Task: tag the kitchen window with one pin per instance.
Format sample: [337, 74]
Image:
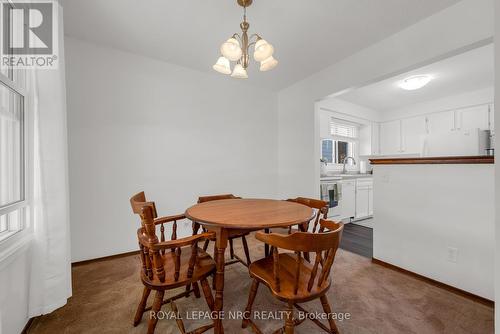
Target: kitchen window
[343, 142]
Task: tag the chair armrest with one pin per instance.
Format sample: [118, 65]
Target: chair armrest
[187, 241]
[167, 219]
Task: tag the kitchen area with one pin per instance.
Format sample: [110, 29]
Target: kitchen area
[443, 109]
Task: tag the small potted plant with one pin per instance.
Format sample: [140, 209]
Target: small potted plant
[323, 164]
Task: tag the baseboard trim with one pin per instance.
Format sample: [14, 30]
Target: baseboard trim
[438, 284]
[105, 258]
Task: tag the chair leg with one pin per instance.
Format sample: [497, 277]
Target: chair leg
[251, 299]
[142, 306]
[328, 310]
[289, 323]
[178, 319]
[245, 248]
[153, 318]
[231, 249]
[205, 245]
[207, 292]
[213, 276]
[196, 290]
[266, 246]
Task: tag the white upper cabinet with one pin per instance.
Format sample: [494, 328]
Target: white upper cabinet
[365, 140]
[472, 118]
[390, 137]
[375, 138]
[369, 139]
[413, 131]
[404, 136]
[441, 122]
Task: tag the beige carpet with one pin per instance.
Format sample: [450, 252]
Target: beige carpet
[379, 300]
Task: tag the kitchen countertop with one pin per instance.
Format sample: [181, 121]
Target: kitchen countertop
[344, 176]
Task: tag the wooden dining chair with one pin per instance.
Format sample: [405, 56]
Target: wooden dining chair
[293, 280]
[234, 258]
[171, 264]
[321, 211]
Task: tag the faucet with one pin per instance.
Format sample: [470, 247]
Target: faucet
[344, 171]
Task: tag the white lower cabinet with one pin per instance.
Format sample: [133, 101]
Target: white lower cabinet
[357, 200]
[370, 201]
[348, 198]
[364, 198]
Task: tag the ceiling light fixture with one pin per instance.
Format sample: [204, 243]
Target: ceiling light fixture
[237, 49]
[415, 82]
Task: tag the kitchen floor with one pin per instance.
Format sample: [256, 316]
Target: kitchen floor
[365, 222]
[358, 239]
[378, 300]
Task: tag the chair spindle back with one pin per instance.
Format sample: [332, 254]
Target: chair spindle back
[152, 249]
[203, 199]
[324, 243]
[320, 206]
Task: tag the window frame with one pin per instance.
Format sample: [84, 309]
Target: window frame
[335, 139]
[22, 204]
[14, 80]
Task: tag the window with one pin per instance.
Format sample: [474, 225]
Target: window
[13, 201]
[343, 143]
[12, 160]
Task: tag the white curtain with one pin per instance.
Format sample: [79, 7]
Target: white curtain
[50, 276]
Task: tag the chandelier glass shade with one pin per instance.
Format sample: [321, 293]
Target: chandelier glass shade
[263, 50]
[268, 64]
[239, 72]
[237, 49]
[231, 49]
[222, 66]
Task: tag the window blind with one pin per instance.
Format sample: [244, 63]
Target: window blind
[343, 129]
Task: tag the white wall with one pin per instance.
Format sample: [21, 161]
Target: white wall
[497, 167]
[413, 47]
[481, 96]
[139, 124]
[15, 263]
[421, 211]
[348, 111]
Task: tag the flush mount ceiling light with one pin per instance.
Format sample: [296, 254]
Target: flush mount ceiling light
[237, 49]
[415, 82]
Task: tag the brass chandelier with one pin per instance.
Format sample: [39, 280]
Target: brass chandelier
[237, 49]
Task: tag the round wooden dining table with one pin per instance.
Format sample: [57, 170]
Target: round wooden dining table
[233, 216]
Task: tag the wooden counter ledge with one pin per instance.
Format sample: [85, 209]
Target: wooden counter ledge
[434, 160]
